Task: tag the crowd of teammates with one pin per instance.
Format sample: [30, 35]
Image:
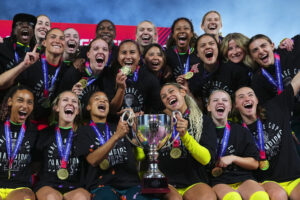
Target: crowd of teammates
[62, 136]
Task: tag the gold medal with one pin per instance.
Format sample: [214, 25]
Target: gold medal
[83, 83]
[264, 165]
[217, 171]
[62, 174]
[189, 75]
[104, 165]
[175, 153]
[46, 103]
[126, 70]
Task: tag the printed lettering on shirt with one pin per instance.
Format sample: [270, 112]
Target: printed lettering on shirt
[133, 99]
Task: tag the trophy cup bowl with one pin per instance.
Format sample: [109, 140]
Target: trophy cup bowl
[151, 132]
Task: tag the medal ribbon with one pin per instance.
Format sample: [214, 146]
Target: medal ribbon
[89, 72]
[64, 152]
[99, 135]
[187, 64]
[222, 150]
[17, 58]
[8, 141]
[135, 74]
[278, 84]
[45, 75]
[260, 142]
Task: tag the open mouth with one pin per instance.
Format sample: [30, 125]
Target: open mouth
[102, 107]
[145, 37]
[212, 27]
[264, 58]
[22, 113]
[100, 58]
[248, 105]
[209, 54]
[128, 63]
[25, 33]
[173, 102]
[69, 111]
[155, 63]
[71, 45]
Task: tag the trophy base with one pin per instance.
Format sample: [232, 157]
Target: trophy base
[155, 186]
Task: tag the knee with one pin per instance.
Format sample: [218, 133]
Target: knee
[232, 196]
[259, 195]
[278, 195]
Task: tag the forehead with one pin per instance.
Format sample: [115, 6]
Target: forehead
[212, 15]
[70, 31]
[182, 22]
[99, 94]
[258, 42]
[205, 38]
[243, 90]
[220, 94]
[146, 25]
[68, 95]
[43, 18]
[106, 24]
[167, 87]
[100, 42]
[155, 49]
[128, 45]
[24, 92]
[56, 32]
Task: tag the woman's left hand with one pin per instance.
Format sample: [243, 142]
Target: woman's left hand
[182, 125]
[226, 160]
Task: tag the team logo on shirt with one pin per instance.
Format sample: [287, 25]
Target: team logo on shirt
[23, 157]
[54, 160]
[133, 99]
[39, 88]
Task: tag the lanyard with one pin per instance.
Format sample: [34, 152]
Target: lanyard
[99, 135]
[135, 74]
[45, 75]
[260, 142]
[64, 152]
[187, 64]
[12, 155]
[222, 150]
[89, 72]
[175, 132]
[278, 84]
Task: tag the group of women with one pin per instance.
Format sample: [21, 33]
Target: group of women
[62, 136]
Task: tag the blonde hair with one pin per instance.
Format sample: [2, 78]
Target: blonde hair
[195, 115]
[154, 27]
[212, 11]
[241, 41]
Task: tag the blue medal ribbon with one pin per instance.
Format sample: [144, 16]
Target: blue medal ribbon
[99, 135]
[278, 84]
[45, 75]
[135, 74]
[63, 152]
[222, 149]
[12, 156]
[187, 64]
[260, 142]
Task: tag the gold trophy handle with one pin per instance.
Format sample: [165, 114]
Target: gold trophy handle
[130, 121]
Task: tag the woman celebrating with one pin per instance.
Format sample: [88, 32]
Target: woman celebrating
[180, 48]
[234, 48]
[139, 87]
[212, 24]
[112, 172]
[43, 25]
[237, 154]
[270, 125]
[18, 138]
[60, 173]
[183, 163]
[213, 74]
[43, 76]
[155, 59]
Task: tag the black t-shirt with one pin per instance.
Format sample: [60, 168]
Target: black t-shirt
[21, 171]
[240, 144]
[290, 65]
[122, 172]
[229, 77]
[143, 94]
[34, 79]
[185, 171]
[279, 145]
[177, 66]
[51, 161]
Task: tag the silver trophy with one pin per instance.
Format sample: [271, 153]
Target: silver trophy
[151, 132]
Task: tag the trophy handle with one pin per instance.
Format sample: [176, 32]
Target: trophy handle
[172, 127]
[130, 121]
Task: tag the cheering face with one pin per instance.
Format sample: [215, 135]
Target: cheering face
[235, 53]
[98, 105]
[21, 105]
[55, 42]
[154, 59]
[24, 32]
[173, 98]
[261, 52]
[145, 34]
[129, 55]
[98, 55]
[219, 105]
[212, 24]
[182, 34]
[67, 107]
[72, 40]
[106, 31]
[42, 27]
[246, 102]
[207, 50]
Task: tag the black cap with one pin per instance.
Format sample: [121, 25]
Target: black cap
[23, 17]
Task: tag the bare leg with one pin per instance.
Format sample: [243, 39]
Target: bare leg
[222, 189]
[248, 188]
[200, 191]
[275, 191]
[78, 194]
[48, 193]
[173, 194]
[295, 194]
[21, 194]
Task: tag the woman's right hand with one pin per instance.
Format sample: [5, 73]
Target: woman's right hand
[121, 80]
[77, 88]
[31, 57]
